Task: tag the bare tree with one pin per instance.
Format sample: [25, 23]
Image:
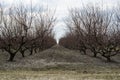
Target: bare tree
[111, 41]
[10, 37]
[44, 23]
[68, 41]
[22, 30]
[24, 17]
[94, 30]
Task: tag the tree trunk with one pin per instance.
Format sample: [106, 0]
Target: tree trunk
[31, 51]
[22, 52]
[95, 54]
[84, 51]
[108, 59]
[35, 50]
[2, 50]
[11, 58]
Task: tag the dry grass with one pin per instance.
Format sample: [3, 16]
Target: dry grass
[56, 75]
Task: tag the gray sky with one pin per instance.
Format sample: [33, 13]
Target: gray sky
[62, 7]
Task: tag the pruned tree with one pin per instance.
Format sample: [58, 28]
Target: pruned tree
[94, 29]
[22, 30]
[44, 23]
[10, 37]
[24, 17]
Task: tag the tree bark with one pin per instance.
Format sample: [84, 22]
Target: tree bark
[22, 52]
[84, 51]
[95, 54]
[31, 51]
[108, 59]
[35, 50]
[11, 58]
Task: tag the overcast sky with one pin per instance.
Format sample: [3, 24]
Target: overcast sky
[62, 7]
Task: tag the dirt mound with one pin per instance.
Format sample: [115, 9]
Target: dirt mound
[59, 57]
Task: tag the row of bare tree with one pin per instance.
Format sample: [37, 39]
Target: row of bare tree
[95, 29]
[25, 29]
